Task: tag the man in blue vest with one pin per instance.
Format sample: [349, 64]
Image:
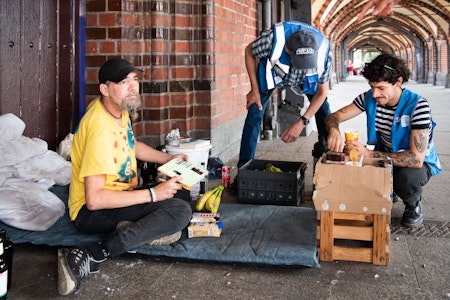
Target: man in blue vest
[399, 128]
[291, 54]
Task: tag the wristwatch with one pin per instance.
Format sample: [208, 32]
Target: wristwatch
[305, 120]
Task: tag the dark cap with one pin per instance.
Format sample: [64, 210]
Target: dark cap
[115, 70]
[303, 46]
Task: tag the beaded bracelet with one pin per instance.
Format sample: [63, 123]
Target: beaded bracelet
[151, 195]
[153, 192]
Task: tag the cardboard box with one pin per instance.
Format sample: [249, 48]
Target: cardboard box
[205, 225]
[202, 217]
[345, 188]
[205, 229]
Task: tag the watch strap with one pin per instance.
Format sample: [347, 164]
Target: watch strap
[305, 120]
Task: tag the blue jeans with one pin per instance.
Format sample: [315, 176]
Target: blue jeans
[152, 221]
[253, 121]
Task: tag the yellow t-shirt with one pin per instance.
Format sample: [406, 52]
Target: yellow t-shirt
[100, 146]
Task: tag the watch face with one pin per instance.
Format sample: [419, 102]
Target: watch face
[305, 120]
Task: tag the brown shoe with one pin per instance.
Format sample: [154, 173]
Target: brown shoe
[165, 240]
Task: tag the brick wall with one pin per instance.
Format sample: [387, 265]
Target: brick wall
[193, 56]
[235, 27]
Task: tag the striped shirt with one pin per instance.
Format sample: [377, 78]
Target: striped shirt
[262, 48]
[421, 119]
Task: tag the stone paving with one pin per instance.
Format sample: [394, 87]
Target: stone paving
[419, 265]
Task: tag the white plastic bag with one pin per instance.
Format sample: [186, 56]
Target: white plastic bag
[65, 145]
[29, 206]
[48, 165]
[11, 127]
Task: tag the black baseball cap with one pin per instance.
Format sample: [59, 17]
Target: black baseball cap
[303, 46]
[115, 70]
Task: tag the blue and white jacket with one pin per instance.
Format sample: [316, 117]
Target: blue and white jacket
[401, 127]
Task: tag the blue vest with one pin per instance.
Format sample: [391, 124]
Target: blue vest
[267, 77]
[401, 127]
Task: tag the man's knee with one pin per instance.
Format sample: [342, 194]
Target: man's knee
[409, 182]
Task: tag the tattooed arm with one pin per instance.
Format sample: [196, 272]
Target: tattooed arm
[335, 141]
[412, 158]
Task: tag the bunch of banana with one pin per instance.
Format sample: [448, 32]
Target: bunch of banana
[272, 168]
[210, 200]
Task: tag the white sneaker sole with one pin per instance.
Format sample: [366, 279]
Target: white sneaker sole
[66, 281]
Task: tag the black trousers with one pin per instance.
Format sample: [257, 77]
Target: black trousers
[152, 221]
[408, 183]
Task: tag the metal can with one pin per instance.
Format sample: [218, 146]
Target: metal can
[226, 177]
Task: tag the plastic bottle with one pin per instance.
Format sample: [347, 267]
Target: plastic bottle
[195, 192]
[7, 254]
[203, 182]
[3, 274]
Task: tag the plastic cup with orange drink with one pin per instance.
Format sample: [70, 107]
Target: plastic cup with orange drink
[351, 136]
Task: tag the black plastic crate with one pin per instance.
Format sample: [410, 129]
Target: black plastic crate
[257, 186]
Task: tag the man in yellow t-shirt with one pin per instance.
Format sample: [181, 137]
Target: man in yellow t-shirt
[103, 195]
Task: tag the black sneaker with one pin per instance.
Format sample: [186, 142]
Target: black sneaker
[74, 264]
[413, 216]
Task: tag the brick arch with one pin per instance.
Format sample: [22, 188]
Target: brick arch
[438, 9]
[440, 30]
[392, 22]
[323, 8]
[340, 18]
[350, 8]
[412, 41]
[425, 32]
[395, 42]
[336, 20]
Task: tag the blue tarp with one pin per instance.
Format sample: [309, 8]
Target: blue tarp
[254, 234]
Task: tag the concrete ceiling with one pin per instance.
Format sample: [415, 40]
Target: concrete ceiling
[413, 22]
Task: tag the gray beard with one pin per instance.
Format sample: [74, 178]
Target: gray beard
[132, 108]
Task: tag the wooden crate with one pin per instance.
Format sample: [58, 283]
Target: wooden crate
[354, 237]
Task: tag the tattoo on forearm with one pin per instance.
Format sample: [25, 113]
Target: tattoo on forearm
[421, 144]
[405, 159]
[400, 159]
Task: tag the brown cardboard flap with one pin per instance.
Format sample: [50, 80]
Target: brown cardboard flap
[353, 189]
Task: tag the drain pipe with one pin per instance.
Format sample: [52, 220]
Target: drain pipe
[269, 113]
[82, 62]
[266, 12]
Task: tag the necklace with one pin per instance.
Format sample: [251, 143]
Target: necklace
[117, 118]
